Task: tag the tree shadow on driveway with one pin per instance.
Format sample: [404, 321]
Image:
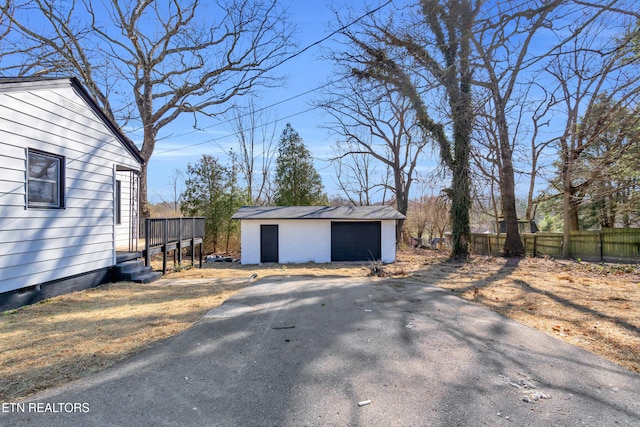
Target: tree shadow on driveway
[307, 351]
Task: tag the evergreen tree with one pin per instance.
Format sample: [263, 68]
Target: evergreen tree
[212, 192]
[297, 181]
[606, 173]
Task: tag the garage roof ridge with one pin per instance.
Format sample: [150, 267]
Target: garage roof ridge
[381, 212]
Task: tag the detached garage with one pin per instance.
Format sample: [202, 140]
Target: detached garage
[297, 234]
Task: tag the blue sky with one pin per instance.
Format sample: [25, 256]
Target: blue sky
[179, 144]
[304, 73]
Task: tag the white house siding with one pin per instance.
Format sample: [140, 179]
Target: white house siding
[40, 245]
[305, 240]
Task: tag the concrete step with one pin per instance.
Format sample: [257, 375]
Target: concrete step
[127, 256]
[128, 266]
[134, 271]
[148, 277]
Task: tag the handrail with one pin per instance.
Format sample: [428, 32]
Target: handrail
[160, 231]
[161, 234]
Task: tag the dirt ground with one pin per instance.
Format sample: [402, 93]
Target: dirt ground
[591, 305]
[594, 306]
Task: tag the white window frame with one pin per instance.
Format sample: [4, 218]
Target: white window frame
[57, 182]
[118, 201]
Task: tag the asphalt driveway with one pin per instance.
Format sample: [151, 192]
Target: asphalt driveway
[347, 352]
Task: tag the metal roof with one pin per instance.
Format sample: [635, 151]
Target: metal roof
[318, 212]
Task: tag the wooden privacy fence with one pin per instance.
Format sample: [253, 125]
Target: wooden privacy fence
[163, 235]
[608, 245]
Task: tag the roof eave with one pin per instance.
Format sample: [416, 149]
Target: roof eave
[128, 144]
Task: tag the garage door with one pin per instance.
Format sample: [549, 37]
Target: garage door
[355, 241]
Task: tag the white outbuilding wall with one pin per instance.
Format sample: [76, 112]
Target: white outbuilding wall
[304, 240]
[389, 243]
[298, 241]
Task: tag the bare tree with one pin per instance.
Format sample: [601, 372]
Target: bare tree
[538, 146]
[486, 158]
[149, 62]
[506, 41]
[379, 125]
[418, 218]
[505, 28]
[357, 176]
[18, 58]
[429, 214]
[255, 132]
[440, 220]
[430, 49]
[590, 70]
[484, 172]
[176, 179]
[4, 26]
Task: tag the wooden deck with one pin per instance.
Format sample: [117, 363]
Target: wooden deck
[171, 235]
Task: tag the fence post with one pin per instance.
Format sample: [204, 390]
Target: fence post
[600, 242]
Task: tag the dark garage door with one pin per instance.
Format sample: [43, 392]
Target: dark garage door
[355, 241]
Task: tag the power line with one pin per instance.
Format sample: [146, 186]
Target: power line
[294, 55]
[290, 57]
[263, 108]
[182, 147]
[333, 33]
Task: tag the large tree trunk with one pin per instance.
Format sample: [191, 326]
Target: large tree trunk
[569, 215]
[461, 196]
[459, 91]
[513, 244]
[145, 102]
[566, 232]
[460, 204]
[145, 211]
[402, 202]
[532, 186]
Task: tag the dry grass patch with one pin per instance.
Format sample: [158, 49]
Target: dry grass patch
[594, 306]
[226, 270]
[74, 335]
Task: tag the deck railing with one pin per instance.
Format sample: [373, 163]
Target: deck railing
[163, 235]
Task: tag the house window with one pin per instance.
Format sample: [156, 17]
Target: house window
[45, 181]
[118, 202]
